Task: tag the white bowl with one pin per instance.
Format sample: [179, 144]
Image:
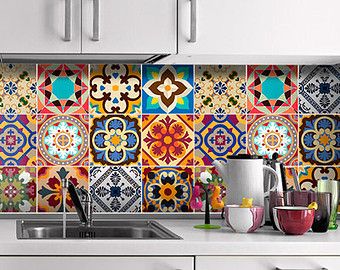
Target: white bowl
[243, 220]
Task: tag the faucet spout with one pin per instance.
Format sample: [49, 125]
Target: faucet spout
[85, 215]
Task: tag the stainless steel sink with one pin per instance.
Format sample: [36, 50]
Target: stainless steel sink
[101, 229]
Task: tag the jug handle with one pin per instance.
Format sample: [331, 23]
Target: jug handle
[273, 172]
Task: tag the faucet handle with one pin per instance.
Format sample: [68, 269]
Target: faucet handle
[87, 204]
[83, 194]
[77, 202]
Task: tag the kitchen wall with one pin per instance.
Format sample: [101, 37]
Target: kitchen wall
[138, 136]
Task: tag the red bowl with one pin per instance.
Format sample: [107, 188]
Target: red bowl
[293, 220]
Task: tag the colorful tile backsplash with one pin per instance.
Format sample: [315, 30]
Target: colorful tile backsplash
[137, 137]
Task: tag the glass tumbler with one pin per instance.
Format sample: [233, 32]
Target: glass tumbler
[332, 187]
[323, 213]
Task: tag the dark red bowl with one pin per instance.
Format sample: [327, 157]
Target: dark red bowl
[293, 220]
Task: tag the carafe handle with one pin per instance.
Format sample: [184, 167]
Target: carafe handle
[276, 177]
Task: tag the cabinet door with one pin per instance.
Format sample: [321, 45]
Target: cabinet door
[90, 263]
[39, 26]
[261, 27]
[129, 26]
[267, 263]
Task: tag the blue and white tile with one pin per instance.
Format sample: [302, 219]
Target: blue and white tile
[319, 89]
[116, 189]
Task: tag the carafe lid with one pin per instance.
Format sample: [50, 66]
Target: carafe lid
[245, 156]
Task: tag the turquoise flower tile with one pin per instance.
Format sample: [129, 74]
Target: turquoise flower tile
[269, 134]
[272, 89]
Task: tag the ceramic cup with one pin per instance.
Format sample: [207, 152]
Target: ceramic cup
[243, 220]
[293, 220]
[289, 198]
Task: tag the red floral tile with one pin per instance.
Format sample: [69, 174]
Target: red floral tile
[167, 140]
[50, 189]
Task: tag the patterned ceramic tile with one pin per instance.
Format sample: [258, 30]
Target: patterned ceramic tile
[116, 189]
[167, 89]
[17, 189]
[167, 189]
[50, 189]
[320, 139]
[309, 176]
[18, 89]
[215, 181]
[63, 89]
[272, 89]
[18, 139]
[115, 89]
[115, 140]
[167, 140]
[274, 133]
[63, 140]
[218, 136]
[220, 89]
[319, 89]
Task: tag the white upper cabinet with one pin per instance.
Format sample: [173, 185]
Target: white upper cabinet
[129, 26]
[258, 28]
[40, 26]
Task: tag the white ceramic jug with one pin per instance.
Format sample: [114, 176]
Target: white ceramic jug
[244, 177]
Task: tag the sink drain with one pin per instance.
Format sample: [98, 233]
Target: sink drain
[87, 234]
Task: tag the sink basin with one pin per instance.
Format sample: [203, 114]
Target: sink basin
[101, 229]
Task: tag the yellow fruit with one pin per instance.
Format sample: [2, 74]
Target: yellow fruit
[313, 205]
[247, 203]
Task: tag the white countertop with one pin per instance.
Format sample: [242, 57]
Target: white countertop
[195, 242]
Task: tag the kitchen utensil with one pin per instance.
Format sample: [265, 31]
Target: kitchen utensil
[268, 183]
[296, 180]
[323, 213]
[243, 220]
[332, 187]
[244, 177]
[293, 220]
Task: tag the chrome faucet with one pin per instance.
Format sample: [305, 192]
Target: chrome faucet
[83, 204]
[87, 204]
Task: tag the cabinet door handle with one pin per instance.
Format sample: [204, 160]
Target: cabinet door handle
[68, 20]
[95, 20]
[193, 21]
[322, 268]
